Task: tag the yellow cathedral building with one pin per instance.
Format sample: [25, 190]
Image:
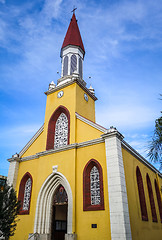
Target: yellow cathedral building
[77, 180]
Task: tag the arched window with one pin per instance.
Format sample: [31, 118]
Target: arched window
[93, 197]
[58, 129]
[158, 199]
[73, 63]
[151, 197]
[141, 195]
[65, 66]
[25, 193]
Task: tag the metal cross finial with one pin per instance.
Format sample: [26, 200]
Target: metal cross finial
[74, 8]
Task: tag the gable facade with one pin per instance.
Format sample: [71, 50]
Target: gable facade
[112, 192]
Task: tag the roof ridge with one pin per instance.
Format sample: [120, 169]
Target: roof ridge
[93, 124]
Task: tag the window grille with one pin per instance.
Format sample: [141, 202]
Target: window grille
[61, 131]
[95, 186]
[27, 193]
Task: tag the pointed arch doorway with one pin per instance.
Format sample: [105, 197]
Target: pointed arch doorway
[46, 200]
[59, 214]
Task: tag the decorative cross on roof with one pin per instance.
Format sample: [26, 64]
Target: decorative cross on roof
[74, 8]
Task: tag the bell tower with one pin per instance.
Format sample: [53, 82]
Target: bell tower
[72, 53]
[69, 96]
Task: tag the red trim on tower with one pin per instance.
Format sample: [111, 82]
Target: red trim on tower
[26, 176]
[86, 187]
[52, 123]
[73, 36]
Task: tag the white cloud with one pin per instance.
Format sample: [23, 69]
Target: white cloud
[124, 117]
[52, 8]
[17, 136]
[2, 1]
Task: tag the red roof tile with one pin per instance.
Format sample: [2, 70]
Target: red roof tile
[73, 36]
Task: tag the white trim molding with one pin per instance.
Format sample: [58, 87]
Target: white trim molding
[92, 124]
[72, 80]
[61, 149]
[43, 214]
[36, 135]
[117, 193]
[54, 168]
[126, 146]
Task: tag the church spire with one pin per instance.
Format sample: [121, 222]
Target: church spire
[73, 36]
[72, 53]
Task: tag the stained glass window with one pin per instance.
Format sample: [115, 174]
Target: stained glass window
[27, 193]
[73, 63]
[95, 186]
[61, 131]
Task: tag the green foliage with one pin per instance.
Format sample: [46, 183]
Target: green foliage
[9, 207]
[155, 146]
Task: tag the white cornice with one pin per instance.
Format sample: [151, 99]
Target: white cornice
[90, 142]
[72, 46]
[73, 80]
[126, 146]
[51, 151]
[111, 132]
[92, 124]
[31, 157]
[31, 141]
[65, 148]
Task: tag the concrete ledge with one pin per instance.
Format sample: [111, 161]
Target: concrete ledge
[70, 236]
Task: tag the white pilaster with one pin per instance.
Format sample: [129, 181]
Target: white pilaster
[118, 203]
[13, 170]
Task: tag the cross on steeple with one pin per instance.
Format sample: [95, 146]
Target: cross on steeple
[74, 8]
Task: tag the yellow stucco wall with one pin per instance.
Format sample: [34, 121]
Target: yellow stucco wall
[140, 229]
[84, 108]
[71, 164]
[37, 146]
[73, 100]
[85, 132]
[86, 218]
[40, 169]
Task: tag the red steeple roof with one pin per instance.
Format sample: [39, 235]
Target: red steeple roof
[73, 36]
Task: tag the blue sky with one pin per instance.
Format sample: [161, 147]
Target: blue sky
[123, 47]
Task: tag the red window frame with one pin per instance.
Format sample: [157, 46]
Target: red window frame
[52, 124]
[86, 187]
[141, 195]
[151, 198]
[158, 199]
[21, 193]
